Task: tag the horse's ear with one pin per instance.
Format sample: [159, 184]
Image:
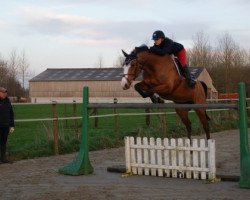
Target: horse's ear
[125, 54]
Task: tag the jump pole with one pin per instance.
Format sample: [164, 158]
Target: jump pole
[244, 145]
[81, 165]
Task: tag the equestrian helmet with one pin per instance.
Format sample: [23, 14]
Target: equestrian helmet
[158, 34]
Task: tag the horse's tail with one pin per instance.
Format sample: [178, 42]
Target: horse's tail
[204, 85]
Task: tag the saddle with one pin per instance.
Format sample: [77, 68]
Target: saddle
[179, 68]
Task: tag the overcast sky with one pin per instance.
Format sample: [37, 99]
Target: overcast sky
[77, 33]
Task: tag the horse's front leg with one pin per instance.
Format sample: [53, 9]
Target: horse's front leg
[146, 91]
[143, 89]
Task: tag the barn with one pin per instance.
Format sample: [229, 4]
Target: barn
[201, 74]
[66, 84]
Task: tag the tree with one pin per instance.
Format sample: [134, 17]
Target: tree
[248, 58]
[13, 70]
[9, 75]
[230, 59]
[119, 62]
[100, 62]
[23, 67]
[226, 63]
[3, 72]
[201, 54]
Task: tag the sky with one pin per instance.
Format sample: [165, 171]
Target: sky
[81, 33]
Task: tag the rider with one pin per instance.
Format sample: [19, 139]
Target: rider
[164, 45]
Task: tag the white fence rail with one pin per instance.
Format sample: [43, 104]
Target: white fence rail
[171, 157]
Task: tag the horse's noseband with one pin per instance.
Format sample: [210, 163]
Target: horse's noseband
[127, 62]
[124, 76]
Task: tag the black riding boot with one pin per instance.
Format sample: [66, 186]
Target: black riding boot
[190, 81]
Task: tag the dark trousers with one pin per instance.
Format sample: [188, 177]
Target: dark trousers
[4, 132]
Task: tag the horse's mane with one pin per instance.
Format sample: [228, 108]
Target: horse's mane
[141, 48]
[133, 54]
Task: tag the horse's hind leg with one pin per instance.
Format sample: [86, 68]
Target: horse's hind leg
[183, 114]
[204, 121]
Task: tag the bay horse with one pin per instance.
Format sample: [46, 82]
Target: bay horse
[160, 76]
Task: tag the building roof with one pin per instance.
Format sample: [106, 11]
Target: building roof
[93, 74]
[196, 71]
[79, 74]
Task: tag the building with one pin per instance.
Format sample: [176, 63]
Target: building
[66, 84]
[201, 74]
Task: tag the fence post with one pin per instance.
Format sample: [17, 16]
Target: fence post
[127, 154]
[163, 123]
[55, 128]
[65, 115]
[147, 118]
[244, 145]
[81, 165]
[74, 115]
[95, 112]
[116, 123]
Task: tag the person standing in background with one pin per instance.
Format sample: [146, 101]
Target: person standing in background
[6, 122]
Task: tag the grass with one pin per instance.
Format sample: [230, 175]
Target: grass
[35, 139]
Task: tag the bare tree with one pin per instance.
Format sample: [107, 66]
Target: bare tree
[99, 63]
[10, 71]
[119, 62]
[230, 59]
[201, 54]
[3, 72]
[23, 67]
[225, 62]
[248, 58]
[13, 63]
[8, 80]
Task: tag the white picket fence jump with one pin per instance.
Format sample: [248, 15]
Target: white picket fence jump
[171, 157]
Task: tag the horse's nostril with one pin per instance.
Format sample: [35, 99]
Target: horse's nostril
[125, 87]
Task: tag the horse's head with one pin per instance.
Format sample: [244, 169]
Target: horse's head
[132, 67]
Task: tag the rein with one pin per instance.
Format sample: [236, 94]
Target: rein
[124, 75]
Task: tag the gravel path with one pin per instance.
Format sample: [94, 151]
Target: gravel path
[39, 179]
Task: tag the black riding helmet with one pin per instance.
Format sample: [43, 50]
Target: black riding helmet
[158, 34]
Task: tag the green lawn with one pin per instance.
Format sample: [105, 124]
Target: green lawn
[34, 139]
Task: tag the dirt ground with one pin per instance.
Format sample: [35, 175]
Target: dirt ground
[39, 178]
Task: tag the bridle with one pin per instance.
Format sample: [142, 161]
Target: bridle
[124, 76]
[130, 74]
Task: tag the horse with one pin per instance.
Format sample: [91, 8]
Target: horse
[160, 76]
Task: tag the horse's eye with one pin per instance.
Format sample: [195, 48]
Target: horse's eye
[127, 61]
